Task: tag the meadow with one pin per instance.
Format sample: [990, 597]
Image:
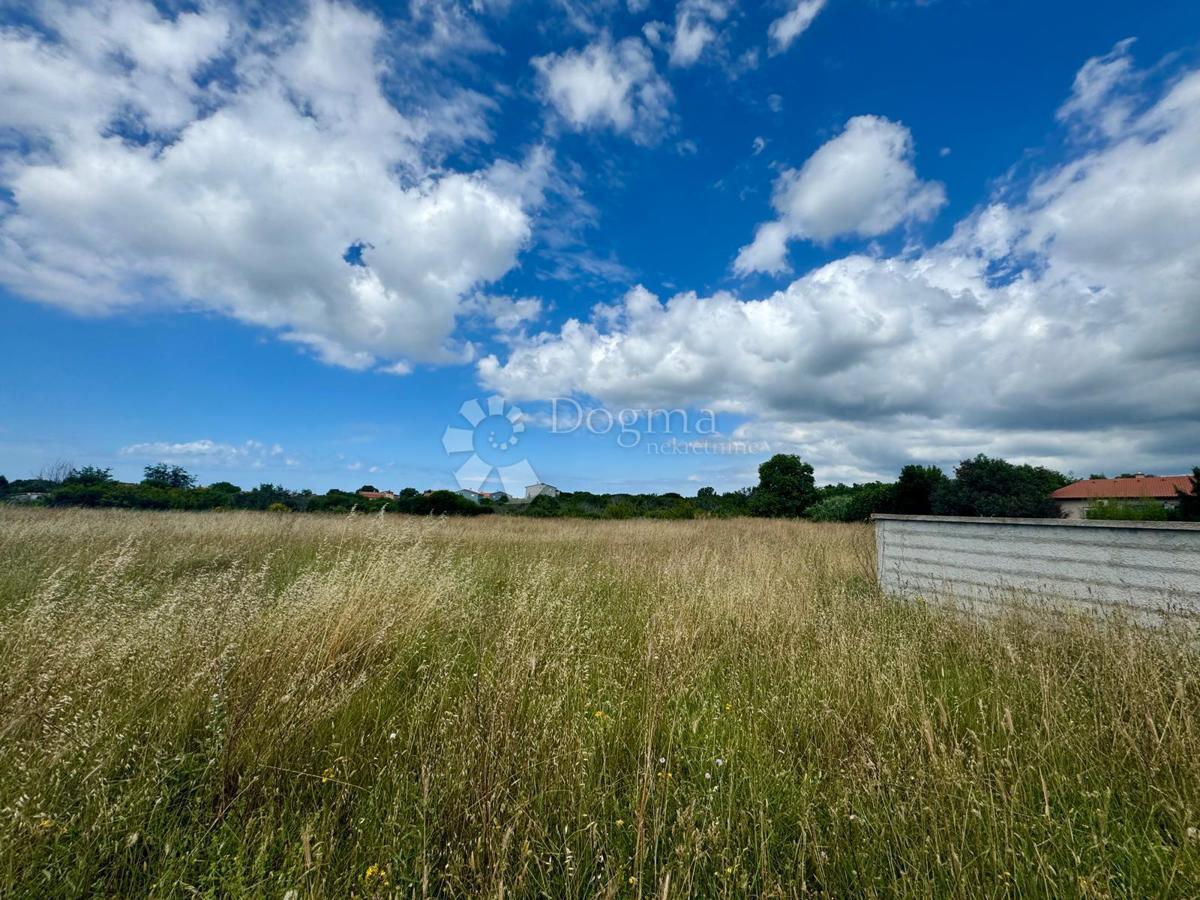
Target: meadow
[283, 705]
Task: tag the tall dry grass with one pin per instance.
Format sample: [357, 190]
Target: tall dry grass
[249, 704]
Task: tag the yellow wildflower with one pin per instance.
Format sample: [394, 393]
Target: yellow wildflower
[620, 822]
[327, 775]
[376, 875]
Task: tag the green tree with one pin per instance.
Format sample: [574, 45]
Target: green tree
[995, 487]
[369, 488]
[1189, 504]
[164, 475]
[89, 475]
[915, 489]
[785, 487]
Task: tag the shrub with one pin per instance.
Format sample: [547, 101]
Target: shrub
[1130, 510]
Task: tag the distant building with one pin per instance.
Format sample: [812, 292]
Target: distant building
[495, 495]
[469, 494]
[1074, 499]
[377, 495]
[541, 489]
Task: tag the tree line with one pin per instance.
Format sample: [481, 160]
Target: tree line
[173, 487]
[981, 486]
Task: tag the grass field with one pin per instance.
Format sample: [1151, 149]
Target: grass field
[285, 705]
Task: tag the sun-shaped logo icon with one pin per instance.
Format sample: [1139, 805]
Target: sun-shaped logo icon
[491, 440]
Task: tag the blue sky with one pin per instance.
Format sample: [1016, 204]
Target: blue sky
[287, 243]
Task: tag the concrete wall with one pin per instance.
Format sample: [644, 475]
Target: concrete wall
[1143, 568]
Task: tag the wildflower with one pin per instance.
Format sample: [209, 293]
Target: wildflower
[707, 776]
[375, 875]
[718, 762]
[392, 736]
[621, 822]
[728, 707]
[599, 714]
[729, 870]
[327, 775]
[632, 880]
[662, 760]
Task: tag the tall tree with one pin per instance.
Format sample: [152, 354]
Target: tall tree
[915, 489]
[785, 487]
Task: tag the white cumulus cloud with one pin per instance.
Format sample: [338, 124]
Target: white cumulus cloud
[607, 85]
[1060, 326]
[185, 160]
[860, 183]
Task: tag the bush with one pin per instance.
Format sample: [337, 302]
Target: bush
[839, 508]
[679, 510]
[620, 509]
[1128, 510]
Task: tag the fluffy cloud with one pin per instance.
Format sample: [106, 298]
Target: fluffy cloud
[1060, 327]
[860, 183]
[607, 85]
[696, 24]
[185, 160]
[793, 23]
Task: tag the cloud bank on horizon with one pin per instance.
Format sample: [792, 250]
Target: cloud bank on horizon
[340, 179]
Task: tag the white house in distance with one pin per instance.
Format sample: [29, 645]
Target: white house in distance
[541, 489]
[1074, 499]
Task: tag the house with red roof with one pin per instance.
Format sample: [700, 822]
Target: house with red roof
[377, 495]
[1074, 499]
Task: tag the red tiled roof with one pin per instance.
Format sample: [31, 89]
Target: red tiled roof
[1157, 486]
[377, 495]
